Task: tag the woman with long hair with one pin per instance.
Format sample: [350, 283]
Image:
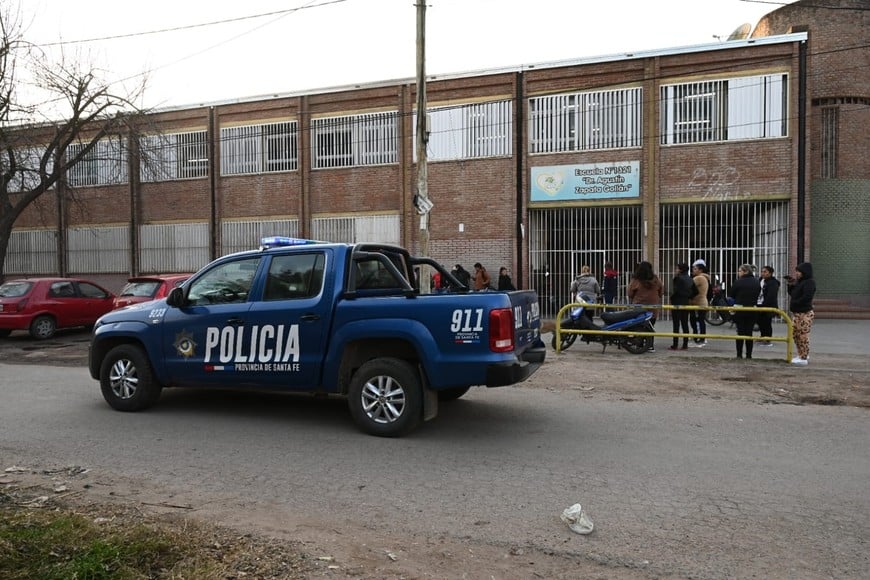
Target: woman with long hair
[646, 289]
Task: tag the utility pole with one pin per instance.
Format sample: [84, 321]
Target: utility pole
[421, 199]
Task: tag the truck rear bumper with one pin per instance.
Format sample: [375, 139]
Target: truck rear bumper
[502, 374]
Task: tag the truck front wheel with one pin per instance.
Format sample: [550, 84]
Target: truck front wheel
[386, 397]
[126, 379]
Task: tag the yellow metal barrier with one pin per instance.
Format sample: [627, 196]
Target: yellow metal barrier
[558, 331]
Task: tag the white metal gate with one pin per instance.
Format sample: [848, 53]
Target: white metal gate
[562, 240]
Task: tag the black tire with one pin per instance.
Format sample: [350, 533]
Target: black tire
[452, 394]
[636, 344]
[43, 327]
[567, 340]
[4, 332]
[126, 379]
[715, 318]
[385, 397]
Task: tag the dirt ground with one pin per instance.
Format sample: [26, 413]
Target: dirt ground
[611, 375]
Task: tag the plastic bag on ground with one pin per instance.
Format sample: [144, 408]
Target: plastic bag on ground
[578, 521]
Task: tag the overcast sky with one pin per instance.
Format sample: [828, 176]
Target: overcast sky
[328, 43]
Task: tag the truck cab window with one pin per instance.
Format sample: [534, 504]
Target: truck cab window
[228, 283]
[294, 276]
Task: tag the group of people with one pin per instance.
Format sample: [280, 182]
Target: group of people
[480, 280]
[694, 289]
[691, 290]
[749, 291]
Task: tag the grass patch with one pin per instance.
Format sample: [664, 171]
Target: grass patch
[48, 537]
[58, 544]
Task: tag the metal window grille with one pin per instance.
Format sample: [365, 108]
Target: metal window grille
[724, 110]
[173, 156]
[610, 119]
[725, 235]
[98, 249]
[562, 240]
[259, 148]
[105, 164]
[237, 236]
[173, 247]
[26, 176]
[469, 131]
[829, 141]
[32, 252]
[370, 139]
[376, 228]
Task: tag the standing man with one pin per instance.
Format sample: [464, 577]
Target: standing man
[745, 292]
[768, 297]
[611, 283]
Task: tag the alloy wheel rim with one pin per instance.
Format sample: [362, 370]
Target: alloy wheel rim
[383, 399]
[124, 379]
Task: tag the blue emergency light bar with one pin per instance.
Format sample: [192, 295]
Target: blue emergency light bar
[283, 241]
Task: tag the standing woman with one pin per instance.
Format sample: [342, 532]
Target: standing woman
[801, 290]
[646, 288]
[769, 298]
[698, 320]
[745, 291]
[681, 293]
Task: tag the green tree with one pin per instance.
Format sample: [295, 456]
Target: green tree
[45, 107]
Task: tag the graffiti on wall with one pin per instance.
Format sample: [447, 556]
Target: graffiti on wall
[718, 184]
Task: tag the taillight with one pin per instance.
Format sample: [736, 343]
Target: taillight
[501, 330]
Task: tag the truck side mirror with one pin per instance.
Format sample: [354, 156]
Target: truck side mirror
[176, 297]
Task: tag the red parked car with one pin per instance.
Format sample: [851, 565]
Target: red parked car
[42, 305]
[145, 288]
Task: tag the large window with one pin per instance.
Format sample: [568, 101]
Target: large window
[469, 131]
[259, 148]
[104, 164]
[173, 156]
[608, 119]
[724, 110]
[370, 139]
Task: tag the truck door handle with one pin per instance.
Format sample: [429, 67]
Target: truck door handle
[235, 321]
[309, 317]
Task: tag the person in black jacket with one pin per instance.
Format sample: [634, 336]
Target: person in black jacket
[681, 292]
[801, 290]
[461, 274]
[768, 297]
[745, 291]
[504, 279]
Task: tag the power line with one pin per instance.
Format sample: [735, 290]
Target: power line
[192, 26]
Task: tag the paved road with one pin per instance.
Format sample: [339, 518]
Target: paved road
[690, 488]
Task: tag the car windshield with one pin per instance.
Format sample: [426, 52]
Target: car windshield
[15, 289]
[147, 289]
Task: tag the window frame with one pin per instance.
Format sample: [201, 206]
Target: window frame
[173, 156]
[366, 139]
[260, 148]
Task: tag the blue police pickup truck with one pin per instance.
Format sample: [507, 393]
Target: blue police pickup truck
[325, 318]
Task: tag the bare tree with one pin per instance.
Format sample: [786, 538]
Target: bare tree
[76, 106]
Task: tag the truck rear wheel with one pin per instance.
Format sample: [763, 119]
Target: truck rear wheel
[386, 397]
[126, 379]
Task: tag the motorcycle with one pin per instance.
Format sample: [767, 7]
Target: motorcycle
[633, 319]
